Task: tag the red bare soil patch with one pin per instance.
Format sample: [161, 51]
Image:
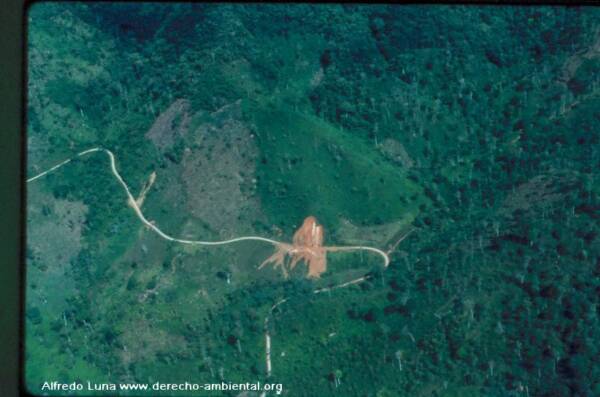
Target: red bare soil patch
[307, 246]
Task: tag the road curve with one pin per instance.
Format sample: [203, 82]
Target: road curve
[132, 203]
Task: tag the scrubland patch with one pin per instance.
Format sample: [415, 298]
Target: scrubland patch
[54, 240]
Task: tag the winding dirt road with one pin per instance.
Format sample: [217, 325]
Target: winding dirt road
[278, 244]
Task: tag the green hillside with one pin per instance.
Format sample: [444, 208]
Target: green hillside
[474, 127]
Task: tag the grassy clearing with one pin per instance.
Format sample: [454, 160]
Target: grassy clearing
[309, 167]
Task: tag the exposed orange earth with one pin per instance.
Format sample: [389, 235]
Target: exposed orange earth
[307, 246]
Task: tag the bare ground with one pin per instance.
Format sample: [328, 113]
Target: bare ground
[170, 124]
[219, 174]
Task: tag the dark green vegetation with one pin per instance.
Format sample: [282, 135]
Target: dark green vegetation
[477, 125]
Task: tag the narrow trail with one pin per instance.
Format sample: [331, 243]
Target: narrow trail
[132, 202]
[324, 289]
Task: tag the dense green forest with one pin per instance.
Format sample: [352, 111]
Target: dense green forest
[476, 127]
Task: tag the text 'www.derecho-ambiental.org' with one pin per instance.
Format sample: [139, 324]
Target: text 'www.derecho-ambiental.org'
[159, 386]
